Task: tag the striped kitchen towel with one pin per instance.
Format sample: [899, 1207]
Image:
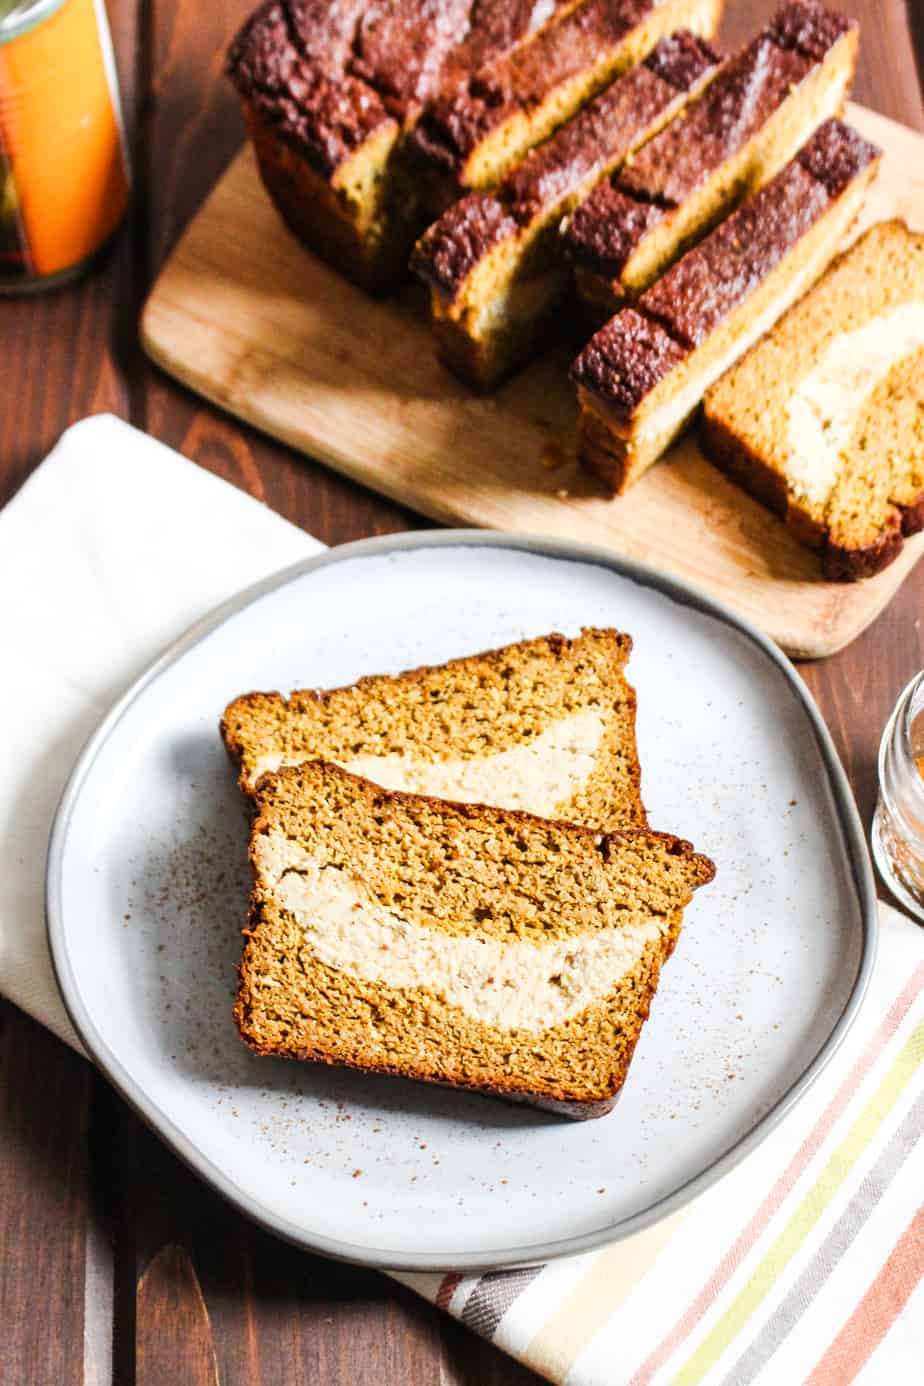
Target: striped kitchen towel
[803, 1265]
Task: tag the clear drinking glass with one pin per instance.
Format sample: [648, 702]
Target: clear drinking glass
[898, 827]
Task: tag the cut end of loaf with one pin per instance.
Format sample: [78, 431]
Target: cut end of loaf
[821, 421]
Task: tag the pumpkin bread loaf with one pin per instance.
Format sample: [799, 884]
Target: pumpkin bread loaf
[823, 420]
[545, 725]
[457, 944]
[336, 95]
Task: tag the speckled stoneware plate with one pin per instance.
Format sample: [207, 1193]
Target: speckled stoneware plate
[147, 888]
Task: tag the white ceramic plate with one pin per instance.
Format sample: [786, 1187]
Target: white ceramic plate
[147, 889]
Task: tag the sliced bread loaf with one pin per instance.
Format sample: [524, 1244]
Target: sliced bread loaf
[545, 725]
[329, 93]
[458, 944]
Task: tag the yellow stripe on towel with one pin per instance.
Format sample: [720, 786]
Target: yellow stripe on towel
[613, 1275]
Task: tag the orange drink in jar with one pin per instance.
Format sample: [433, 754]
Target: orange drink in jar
[63, 170]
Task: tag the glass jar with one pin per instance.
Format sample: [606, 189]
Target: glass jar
[63, 169]
[898, 827]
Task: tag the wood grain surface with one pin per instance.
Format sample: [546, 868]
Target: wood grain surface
[116, 1266]
[242, 315]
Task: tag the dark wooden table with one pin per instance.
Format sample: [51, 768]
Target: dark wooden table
[116, 1266]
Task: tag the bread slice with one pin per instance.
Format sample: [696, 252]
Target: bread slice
[642, 377]
[457, 944]
[330, 93]
[471, 137]
[494, 262]
[750, 120]
[546, 725]
[824, 419]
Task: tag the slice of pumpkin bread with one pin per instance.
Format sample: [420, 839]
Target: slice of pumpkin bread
[545, 725]
[494, 261]
[642, 377]
[763, 104]
[824, 419]
[457, 944]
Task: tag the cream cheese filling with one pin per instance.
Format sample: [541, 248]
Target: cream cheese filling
[520, 985]
[823, 410]
[535, 777]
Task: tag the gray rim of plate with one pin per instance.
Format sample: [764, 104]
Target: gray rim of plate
[383, 1259]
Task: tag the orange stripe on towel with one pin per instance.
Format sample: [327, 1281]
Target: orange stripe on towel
[877, 1311]
[446, 1290]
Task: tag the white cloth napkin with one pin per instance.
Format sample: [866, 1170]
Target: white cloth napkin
[110, 550]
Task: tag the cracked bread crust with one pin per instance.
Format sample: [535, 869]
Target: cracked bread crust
[462, 869]
[476, 133]
[607, 129]
[624, 361]
[401, 54]
[760, 106]
[323, 114]
[329, 94]
[451, 248]
[808, 27]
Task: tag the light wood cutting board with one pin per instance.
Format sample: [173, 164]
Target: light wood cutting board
[242, 314]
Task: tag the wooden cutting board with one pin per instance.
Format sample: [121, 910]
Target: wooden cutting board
[245, 316]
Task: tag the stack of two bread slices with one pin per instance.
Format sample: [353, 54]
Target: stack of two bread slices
[453, 875]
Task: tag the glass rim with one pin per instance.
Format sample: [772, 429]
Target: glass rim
[906, 701]
[19, 16]
[898, 729]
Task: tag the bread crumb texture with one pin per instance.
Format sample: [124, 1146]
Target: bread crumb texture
[824, 419]
[470, 710]
[453, 872]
